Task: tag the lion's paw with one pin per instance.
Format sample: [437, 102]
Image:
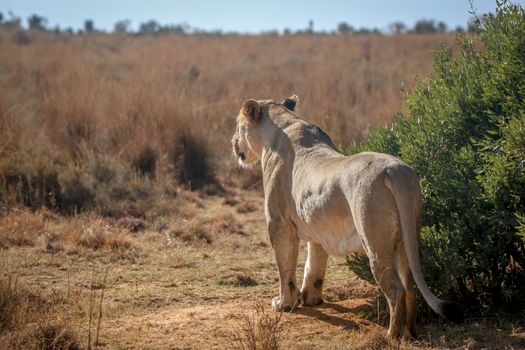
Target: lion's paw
[311, 298]
[280, 306]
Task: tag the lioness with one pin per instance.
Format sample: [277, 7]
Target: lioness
[339, 204]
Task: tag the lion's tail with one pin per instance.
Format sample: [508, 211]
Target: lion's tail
[401, 181]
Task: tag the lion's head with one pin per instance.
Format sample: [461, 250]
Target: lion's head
[246, 142]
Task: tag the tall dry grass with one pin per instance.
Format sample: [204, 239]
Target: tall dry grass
[32, 319]
[50, 318]
[134, 99]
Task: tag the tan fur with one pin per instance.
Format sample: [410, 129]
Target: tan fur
[339, 204]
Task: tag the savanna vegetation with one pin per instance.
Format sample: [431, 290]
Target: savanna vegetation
[107, 122]
[124, 222]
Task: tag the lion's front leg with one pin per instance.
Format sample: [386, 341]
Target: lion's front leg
[285, 243]
[314, 270]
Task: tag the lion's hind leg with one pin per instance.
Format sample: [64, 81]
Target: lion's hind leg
[314, 270]
[408, 283]
[377, 222]
[388, 280]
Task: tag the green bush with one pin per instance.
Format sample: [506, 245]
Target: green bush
[466, 139]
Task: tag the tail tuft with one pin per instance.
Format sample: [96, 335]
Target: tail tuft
[453, 312]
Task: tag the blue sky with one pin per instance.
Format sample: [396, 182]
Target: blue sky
[246, 15]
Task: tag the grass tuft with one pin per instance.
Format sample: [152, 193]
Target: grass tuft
[30, 320]
[21, 228]
[261, 331]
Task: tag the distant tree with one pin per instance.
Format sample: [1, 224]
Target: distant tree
[365, 30]
[151, 27]
[272, 32]
[287, 31]
[122, 27]
[37, 22]
[344, 28]
[12, 24]
[459, 29]
[442, 27]
[310, 26]
[89, 26]
[215, 32]
[181, 28]
[397, 27]
[1, 17]
[424, 26]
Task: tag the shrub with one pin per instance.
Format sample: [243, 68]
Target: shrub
[360, 265]
[145, 161]
[191, 160]
[118, 190]
[195, 231]
[30, 177]
[466, 139]
[77, 190]
[48, 178]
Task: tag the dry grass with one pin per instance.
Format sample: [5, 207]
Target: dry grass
[246, 207]
[199, 230]
[67, 317]
[32, 320]
[370, 339]
[114, 124]
[94, 233]
[225, 224]
[260, 331]
[77, 234]
[165, 107]
[193, 232]
[21, 228]
[145, 160]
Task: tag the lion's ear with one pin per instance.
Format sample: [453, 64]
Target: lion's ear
[251, 109]
[291, 102]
